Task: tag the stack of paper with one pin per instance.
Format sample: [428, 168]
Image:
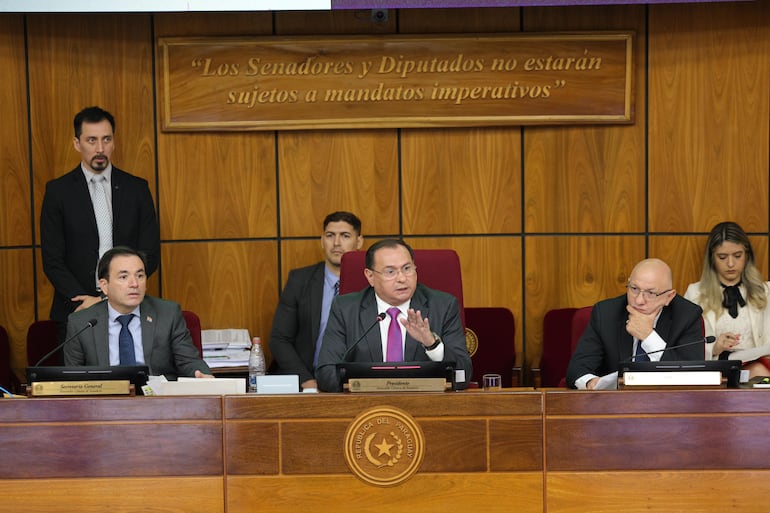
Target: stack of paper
[226, 348]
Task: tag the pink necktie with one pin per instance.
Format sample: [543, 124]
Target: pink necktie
[394, 351]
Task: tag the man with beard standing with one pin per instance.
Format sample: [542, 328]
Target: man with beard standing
[89, 210]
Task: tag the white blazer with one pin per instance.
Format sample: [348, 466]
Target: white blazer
[760, 327]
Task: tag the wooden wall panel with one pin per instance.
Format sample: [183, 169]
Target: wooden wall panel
[82, 60]
[17, 307]
[213, 24]
[216, 186]
[228, 187]
[228, 284]
[574, 272]
[709, 109]
[15, 227]
[461, 181]
[321, 172]
[491, 268]
[588, 178]
[300, 253]
[685, 256]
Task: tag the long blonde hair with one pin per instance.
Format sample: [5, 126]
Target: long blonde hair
[710, 288]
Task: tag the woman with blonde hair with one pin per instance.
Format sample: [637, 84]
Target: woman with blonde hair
[734, 296]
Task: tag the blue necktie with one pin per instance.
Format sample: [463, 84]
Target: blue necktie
[126, 341]
[641, 355]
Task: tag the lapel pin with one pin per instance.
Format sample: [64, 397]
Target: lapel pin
[149, 319]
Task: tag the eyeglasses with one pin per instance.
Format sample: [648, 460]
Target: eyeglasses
[648, 295]
[390, 273]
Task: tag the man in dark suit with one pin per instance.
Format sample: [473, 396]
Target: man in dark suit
[303, 308]
[425, 323]
[132, 328]
[73, 236]
[649, 317]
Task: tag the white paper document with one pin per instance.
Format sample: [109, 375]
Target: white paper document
[226, 348]
[195, 386]
[607, 382]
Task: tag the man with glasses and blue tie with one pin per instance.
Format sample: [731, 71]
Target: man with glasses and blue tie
[648, 323]
[419, 323]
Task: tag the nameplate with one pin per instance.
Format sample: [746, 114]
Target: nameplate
[278, 384]
[80, 388]
[632, 379]
[397, 385]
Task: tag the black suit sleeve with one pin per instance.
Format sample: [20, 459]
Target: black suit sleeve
[287, 324]
[53, 242]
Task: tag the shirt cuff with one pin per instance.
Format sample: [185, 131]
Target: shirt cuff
[582, 382]
[653, 342]
[437, 354]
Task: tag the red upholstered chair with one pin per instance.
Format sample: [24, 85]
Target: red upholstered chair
[579, 322]
[557, 333]
[194, 325]
[578, 325]
[436, 268]
[41, 339]
[490, 336]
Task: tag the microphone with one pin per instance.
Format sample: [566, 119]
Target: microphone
[702, 340]
[380, 317]
[89, 324]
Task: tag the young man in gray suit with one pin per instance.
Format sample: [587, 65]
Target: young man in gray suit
[303, 310]
[132, 328]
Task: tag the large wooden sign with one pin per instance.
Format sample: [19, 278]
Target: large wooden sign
[395, 81]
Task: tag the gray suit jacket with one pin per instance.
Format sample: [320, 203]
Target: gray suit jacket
[352, 314]
[168, 347]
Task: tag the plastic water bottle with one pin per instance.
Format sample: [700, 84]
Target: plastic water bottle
[256, 364]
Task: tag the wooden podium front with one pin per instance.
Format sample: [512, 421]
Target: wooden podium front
[657, 451]
[483, 452]
[554, 451]
[111, 454]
